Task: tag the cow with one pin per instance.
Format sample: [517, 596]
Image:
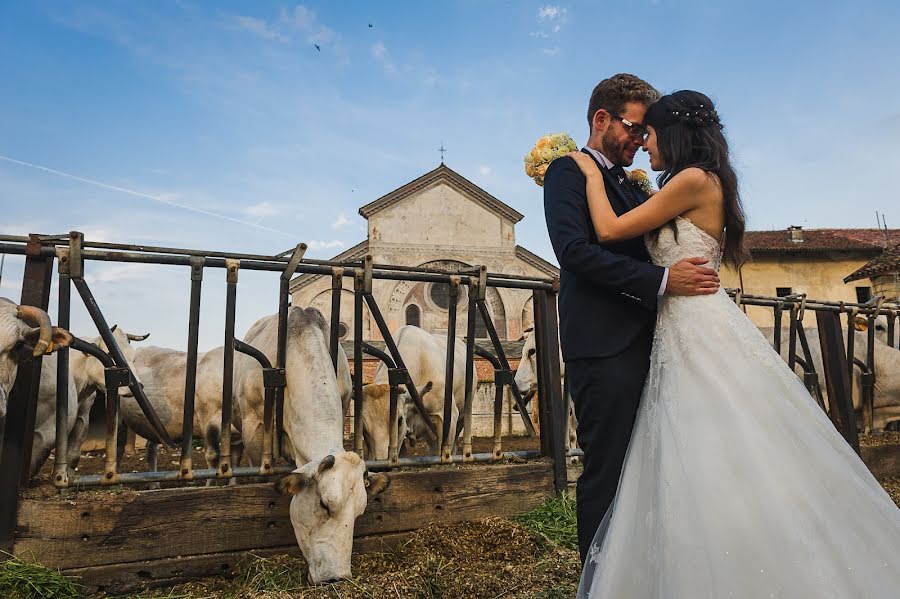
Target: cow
[886, 393]
[86, 379]
[163, 370]
[526, 381]
[25, 333]
[376, 414]
[329, 487]
[425, 357]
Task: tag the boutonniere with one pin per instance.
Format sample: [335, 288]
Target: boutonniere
[638, 177]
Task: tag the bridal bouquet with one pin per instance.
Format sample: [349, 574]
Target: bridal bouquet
[639, 178]
[546, 150]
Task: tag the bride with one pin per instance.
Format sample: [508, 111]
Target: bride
[735, 484]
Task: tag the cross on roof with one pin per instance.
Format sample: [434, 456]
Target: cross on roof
[442, 149]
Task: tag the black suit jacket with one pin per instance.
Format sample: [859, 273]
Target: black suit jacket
[608, 293]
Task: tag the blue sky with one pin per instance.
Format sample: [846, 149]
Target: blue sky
[189, 110]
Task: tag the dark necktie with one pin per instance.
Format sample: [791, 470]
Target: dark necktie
[624, 185]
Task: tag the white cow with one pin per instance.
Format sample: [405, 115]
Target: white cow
[25, 332]
[425, 357]
[330, 486]
[86, 379]
[376, 415]
[162, 371]
[526, 381]
[886, 394]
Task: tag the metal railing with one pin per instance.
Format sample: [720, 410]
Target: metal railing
[72, 252]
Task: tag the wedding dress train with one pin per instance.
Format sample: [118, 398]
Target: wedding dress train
[736, 484]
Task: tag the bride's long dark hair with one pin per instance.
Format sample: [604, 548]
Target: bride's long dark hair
[689, 133]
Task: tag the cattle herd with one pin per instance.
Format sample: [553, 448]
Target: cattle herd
[330, 486]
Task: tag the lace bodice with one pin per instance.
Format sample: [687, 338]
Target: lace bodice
[692, 242]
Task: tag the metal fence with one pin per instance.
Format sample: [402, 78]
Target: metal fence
[71, 253]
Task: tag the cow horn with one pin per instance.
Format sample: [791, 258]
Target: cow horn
[112, 329]
[132, 337]
[36, 317]
[327, 463]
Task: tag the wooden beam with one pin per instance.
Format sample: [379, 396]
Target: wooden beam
[94, 529]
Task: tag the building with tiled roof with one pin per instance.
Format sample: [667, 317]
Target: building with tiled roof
[817, 262]
[884, 273]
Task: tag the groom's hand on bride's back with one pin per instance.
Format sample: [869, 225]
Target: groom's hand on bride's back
[690, 277]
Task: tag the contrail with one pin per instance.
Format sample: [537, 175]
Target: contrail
[141, 194]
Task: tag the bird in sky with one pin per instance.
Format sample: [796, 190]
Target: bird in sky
[317, 47]
[370, 25]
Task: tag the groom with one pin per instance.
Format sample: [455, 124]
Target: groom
[608, 293]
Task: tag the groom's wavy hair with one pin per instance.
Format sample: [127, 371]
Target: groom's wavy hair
[613, 93]
[689, 133]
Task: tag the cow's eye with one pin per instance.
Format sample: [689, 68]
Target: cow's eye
[531, 352]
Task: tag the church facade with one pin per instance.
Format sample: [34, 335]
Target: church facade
[440, 220]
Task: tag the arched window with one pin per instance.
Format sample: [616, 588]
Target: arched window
[481, 331]
[342, 330]
[413, 315]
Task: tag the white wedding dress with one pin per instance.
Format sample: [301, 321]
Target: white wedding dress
[736, 484]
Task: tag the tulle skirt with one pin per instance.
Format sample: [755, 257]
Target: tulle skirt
[736, 484]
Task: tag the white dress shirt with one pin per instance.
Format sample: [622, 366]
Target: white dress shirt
[608, 164]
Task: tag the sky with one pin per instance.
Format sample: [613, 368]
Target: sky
[253, 126]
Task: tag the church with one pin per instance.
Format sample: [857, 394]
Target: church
[440, 220]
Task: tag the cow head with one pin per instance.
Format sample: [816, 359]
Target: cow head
[376, 415]
[328, 495]
[94, 369]
[416, 429]
[861, 323]
[25, 332]
[526, 373]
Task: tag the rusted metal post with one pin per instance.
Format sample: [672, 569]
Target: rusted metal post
[447, 436]
[186, 468]
[231, 280]
[63, 320]
[395, 378]
[358, 294]
[792, 338]
[115, 378]
[868, 382]
[471, 383]
[836, 376]
[337, 283]
[891, 327]
[549, 385]
[776, 337]
[15, 459]
[284, 288]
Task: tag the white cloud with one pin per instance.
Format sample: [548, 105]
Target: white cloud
[340, 221]
[550, 12]
[258, 27]
[484, 170]
[324, 245]
[554, 51]
[261, 210]
[540, 34]
[114, 273]
[379, 51]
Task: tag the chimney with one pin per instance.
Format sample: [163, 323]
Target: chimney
[796, 233]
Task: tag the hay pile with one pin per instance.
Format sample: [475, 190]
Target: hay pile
[491, 558]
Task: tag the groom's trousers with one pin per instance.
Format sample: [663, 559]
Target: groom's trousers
[607, 393]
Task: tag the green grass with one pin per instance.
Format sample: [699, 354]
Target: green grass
[20, 579]
[554, 520]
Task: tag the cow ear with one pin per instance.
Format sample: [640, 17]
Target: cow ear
[376, 484]
[292, 484]
[426, 388]
[59, 338]
[112, 329]
[327, 463]
[860, 323]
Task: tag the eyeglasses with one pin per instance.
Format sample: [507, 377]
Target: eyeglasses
[635, 130]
